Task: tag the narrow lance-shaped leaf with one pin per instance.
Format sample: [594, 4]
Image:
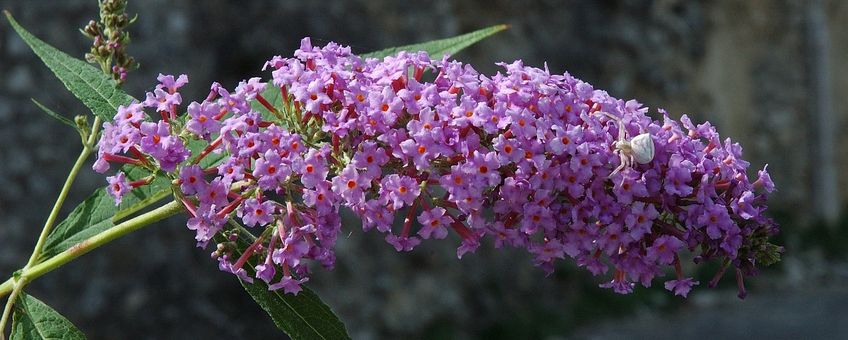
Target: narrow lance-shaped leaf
[98, 213]
[35, 320]
[99, 93]
[434, 48]
[301, 316]
[94, 88]
[438, 48]
[305, 316]
[55, 115]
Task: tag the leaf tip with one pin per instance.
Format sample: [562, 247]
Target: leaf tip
[55, 115]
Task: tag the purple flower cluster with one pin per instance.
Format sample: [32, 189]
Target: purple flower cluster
[524, 157]
[131, 132]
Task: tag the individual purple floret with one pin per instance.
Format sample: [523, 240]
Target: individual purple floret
[170, 84]
[192, 180]
[681, 287]
[253, 212]
[433, 223]
[118, 186]
[202, 122]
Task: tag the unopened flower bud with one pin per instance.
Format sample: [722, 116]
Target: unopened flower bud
[91, 29]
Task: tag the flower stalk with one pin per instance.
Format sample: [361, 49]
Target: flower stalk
[87, 148]
[79, 249]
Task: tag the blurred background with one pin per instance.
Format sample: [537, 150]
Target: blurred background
[771, 74]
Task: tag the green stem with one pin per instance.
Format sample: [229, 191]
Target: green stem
[153, 198]
[63, 194]
[19, 286]
[128, 226]
[6, 287]
[31, 273]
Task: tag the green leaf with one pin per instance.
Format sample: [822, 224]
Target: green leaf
[438, 48]
[273, 95]
[769, 254]
[98, 213]
[94, 88]
[435, 49]
[55, 115]
[35, 320]
[301, 316]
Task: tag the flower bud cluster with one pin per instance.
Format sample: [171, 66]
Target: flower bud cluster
[429, 149]
[110, 38]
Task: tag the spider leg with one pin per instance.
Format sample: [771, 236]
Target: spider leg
[618, 121]
[620, 130]
[617, 170]
[624, 164]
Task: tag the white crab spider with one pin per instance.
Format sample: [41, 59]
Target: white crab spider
[640, 149]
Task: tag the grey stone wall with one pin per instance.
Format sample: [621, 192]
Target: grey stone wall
[738, 64]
